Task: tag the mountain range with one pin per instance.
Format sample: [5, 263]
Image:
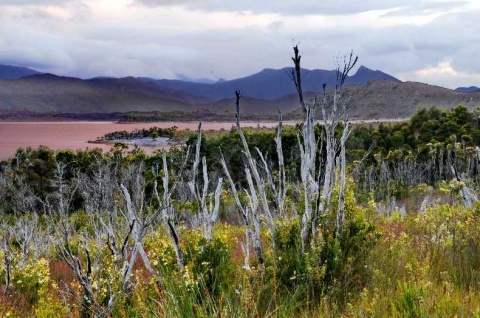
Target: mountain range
[372, 94]
[271, 84]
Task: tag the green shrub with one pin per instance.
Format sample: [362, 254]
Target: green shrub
[211, 265]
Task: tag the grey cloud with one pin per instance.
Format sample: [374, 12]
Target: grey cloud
[451, 38]
[37, 9]
[283, 7]
[423, 8]
[456, 38]
[33, 48]
[32, 2]
[112, 48]
[234, 53]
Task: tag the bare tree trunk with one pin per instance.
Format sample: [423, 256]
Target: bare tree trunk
[207, 211]
[260, 184]
[341, 195]
[248, 213]
[279, 190]
[7, 258]
[168, 214]
[308, 150]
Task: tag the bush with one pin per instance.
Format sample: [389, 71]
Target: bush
[211, 266]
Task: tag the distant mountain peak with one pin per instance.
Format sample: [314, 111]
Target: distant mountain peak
[364, 68]
[470, 89]
[268, 70]
[365, 74]
[48, 77]
[15, 72]
[272, 84]
[184, 78]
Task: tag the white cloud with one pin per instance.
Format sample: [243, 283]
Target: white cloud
[229, 39]
[306, 7]
[443, 74]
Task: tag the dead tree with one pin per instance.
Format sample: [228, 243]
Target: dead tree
[20, 243]
[342, 72]
[139, 216]
[80, 257]
[8, 254]
[310, 175]
[23, 239]
[207, 211]
[165, 208]
[112, 229]
[119, 213]
[257, 191]
[279, 190]
[468, 196]
[124, 215]
[250, 216]
[308, 151]
[28, 234]
[259, 186]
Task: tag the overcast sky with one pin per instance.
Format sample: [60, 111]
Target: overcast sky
[431, 41]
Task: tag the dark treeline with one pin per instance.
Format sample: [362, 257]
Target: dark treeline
[153, 132]
[387, 160]
[435, 145]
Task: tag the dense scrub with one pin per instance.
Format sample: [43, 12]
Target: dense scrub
[419, 264]
[305, 221]
[423, 264]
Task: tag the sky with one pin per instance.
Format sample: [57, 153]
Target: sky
[431, 41]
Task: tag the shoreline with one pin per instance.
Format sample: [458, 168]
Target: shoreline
[140, 142]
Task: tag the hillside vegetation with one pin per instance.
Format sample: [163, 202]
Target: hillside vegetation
[308, 221]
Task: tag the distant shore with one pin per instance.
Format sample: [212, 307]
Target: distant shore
[141, 142]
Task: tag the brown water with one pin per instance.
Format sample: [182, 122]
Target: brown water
[74, 135]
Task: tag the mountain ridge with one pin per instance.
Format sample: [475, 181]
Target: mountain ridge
[470, 89]
[271, 84]
[372, 94]
[15, 72]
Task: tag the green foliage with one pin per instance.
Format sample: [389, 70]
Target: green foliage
[418, 265]
[30, 280]
[210, 265]
[290, 264]
[410, 303]
[339, 262]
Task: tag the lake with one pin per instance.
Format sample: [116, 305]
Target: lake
[75, 134]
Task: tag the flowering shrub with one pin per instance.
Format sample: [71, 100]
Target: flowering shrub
[161, 253]
[32, 280]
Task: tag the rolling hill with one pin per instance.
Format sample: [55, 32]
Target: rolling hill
[375, 100]
[370, 94]
[390, 100]
[51, 93]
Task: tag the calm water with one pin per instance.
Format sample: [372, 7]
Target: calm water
[74, 135]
